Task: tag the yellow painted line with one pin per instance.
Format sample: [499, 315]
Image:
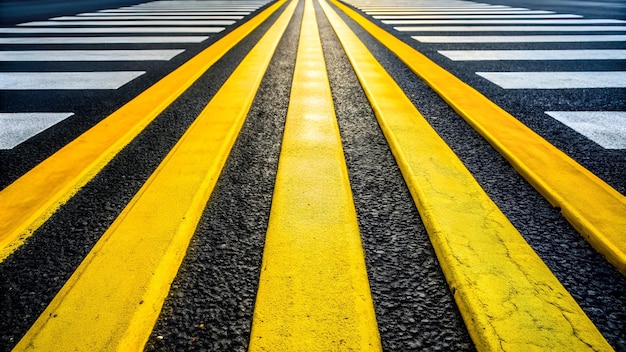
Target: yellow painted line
[313, 291]
[113, 299]
[595, 209]
[28, 202]
[509, 299]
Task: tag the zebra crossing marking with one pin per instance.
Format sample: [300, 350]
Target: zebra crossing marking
[521, 38]
[104, 40]
[577, 21]
[16, 128]
[66, 80]
[420, 18]
[607, 128]
[127, 23]
[557, 80]
[512, 29]
[71, 30]
[572, 54]
[90, 55]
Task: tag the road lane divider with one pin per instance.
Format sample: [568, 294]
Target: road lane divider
[500, 284]
[113, 299]
[313, 291]
[29, 201]
[595, 209]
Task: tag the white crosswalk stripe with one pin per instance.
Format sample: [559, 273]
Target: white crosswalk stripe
[521, 26]
[169, 22]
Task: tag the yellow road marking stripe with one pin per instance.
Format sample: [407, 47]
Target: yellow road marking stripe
[28, 202]
[313, 292]
[595, 209]
[508, 297]
[113, 299]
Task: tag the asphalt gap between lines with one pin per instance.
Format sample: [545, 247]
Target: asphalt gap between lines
[500, 284]
[29, 201]
[595, 209]
[113, 299]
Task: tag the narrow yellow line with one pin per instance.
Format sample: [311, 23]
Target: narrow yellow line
[28, 202]
[113, 299]
[595, 209]
[313, 291]
[508, 297]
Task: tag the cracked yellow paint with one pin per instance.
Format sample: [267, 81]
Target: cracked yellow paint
[113, 299]
[595, 209]
[29, 201]
[509, 299]
[313, 291]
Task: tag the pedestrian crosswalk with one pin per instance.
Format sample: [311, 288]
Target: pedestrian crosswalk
[162, 22]
[519, 26]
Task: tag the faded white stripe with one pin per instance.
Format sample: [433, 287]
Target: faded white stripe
[582, 21]
[103, 40]
[162, 13]
[521, 39]
[513, 29]
[66, 80]
[125, 23]
[74, 19]
[466, 12]
[421, 18]
[113, 30]
[489, 55]
[89, 55]
[16, 128]
[557, 80]
[607, 128]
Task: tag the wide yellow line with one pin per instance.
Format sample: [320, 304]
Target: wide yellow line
[113, 299]
[28, 202]
[313, 292]
[595, 209]
[509, 299]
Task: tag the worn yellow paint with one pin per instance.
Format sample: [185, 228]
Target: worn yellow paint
[113, 299]
[28, 202]
[595, 209]
[313, 291]
[508, 297]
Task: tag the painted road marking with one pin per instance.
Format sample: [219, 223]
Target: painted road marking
[513, 29]
[62, 30]
[607, 128]
[104, 40]
[16, 128]
[89, 55]
[521, 39]
[313, 291]
[403, 13]
[127, 23]
[29, 201]
[499, 283]
[557, 80]
[66, 80]
[145, 17]
[490, 55]
[419, 18]
[164, 13]
[582, 21]
[594, 208]
[114, 297]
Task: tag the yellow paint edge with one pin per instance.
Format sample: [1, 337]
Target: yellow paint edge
[593, 207]
[313, 291]
[509, 299]
[29, 201]
[113, 299]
